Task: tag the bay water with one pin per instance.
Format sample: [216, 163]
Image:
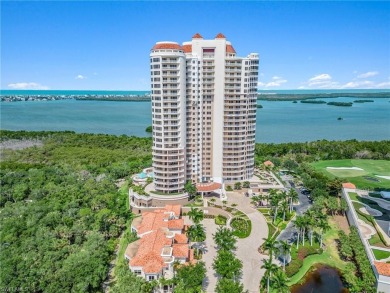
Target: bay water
[277, 121]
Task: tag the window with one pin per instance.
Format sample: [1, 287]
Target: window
[137, 272]
[150, 278]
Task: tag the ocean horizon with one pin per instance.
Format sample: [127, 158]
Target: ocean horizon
[146, 92]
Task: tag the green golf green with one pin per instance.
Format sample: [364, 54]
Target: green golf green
[363, 173]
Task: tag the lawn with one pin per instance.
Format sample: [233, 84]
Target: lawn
[380, 254]
[330, 256]
[364, 179]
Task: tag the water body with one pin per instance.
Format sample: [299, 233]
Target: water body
[279, 121]
[323, 280]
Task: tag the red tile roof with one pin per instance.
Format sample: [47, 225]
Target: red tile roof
[220, 36]
[172, 46]
[180, 250]
[197, 36]
[349, 185]
[152, 221]
[176, 209]
[205, 187]
[181, 238]
[268, 163]
[230, 49]
[176, 224]
[382, 268]
[187, 48]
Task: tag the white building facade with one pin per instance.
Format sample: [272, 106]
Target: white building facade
[203, 111]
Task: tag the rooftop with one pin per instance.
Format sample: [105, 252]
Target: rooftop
[382, 268]
[207, 187]
[349, 185]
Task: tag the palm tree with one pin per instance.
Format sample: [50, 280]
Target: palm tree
[270, 268]
[275, 205]
[196, 233]
[299, 223]
[324, 226]
[310, 223]
[284, 207]
[284, 249]
[279, 282]
[196, 215]
[225, 239]
[255, 200]
[270, 244]
[293, 195]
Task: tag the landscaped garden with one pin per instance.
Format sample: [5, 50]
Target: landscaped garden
[241, 227]
[365, 174]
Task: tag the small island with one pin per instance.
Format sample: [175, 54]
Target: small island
[149, 129]
[340, 104]
[313, 102]
[363, 101]
[340, 118]
[259, 106]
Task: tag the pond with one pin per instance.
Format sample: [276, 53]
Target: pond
[323, 279]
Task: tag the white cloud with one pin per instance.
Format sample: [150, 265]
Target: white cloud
[368, 74]
[80, 77]
[276, 82]
[27, 86]
[320, 77]
[325, 81]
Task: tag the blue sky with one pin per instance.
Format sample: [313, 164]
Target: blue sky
[105, 45]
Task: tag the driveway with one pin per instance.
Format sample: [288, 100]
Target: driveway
[210, 282]
[247, 248]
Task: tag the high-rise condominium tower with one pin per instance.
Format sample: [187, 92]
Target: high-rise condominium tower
[204, 112]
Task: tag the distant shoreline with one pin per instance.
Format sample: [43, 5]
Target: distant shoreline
[122, 97]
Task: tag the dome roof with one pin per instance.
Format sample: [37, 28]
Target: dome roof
[220, 36]
[187, 48]
[197, 36]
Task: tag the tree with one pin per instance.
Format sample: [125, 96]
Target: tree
[270, 244]
[324, 226]
[227, 265]
[343, 206]
[196, 233]
[293, 196]
[299, 224]
[190, 188]
[269, 268]
[227, 285]
[225, 239]
[191, 276]
[237, 185]
[196, 215]
[279, 282]
[246, 184]
[284, 249]
[333, 205]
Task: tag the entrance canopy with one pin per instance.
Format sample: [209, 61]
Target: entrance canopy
[208, 187]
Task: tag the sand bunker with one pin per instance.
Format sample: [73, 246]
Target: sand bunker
[384, 177]
[345, 168]
[371, 212]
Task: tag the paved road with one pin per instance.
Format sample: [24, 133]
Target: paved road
[247, 248]
[210, 281]
[289, 233]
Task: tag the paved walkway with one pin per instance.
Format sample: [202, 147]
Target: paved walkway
[210, 282]
[247, 248]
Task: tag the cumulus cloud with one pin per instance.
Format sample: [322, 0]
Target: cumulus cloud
[325, 81]
[320, 77]
[27, 86]
[368, 74]
[275, 82]
[80, 77]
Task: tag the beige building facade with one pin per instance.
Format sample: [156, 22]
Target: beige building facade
[203, 111]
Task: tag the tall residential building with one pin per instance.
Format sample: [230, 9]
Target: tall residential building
[204, 112]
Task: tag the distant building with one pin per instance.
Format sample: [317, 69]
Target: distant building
[203, 112]
[268, 164]
[162, 242]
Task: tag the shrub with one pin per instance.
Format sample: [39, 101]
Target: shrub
[220, 220]
[293, 267]
[229, 188]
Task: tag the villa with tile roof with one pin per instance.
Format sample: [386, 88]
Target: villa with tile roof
[161, 242]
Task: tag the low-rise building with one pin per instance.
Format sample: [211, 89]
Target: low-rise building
[162, 242]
